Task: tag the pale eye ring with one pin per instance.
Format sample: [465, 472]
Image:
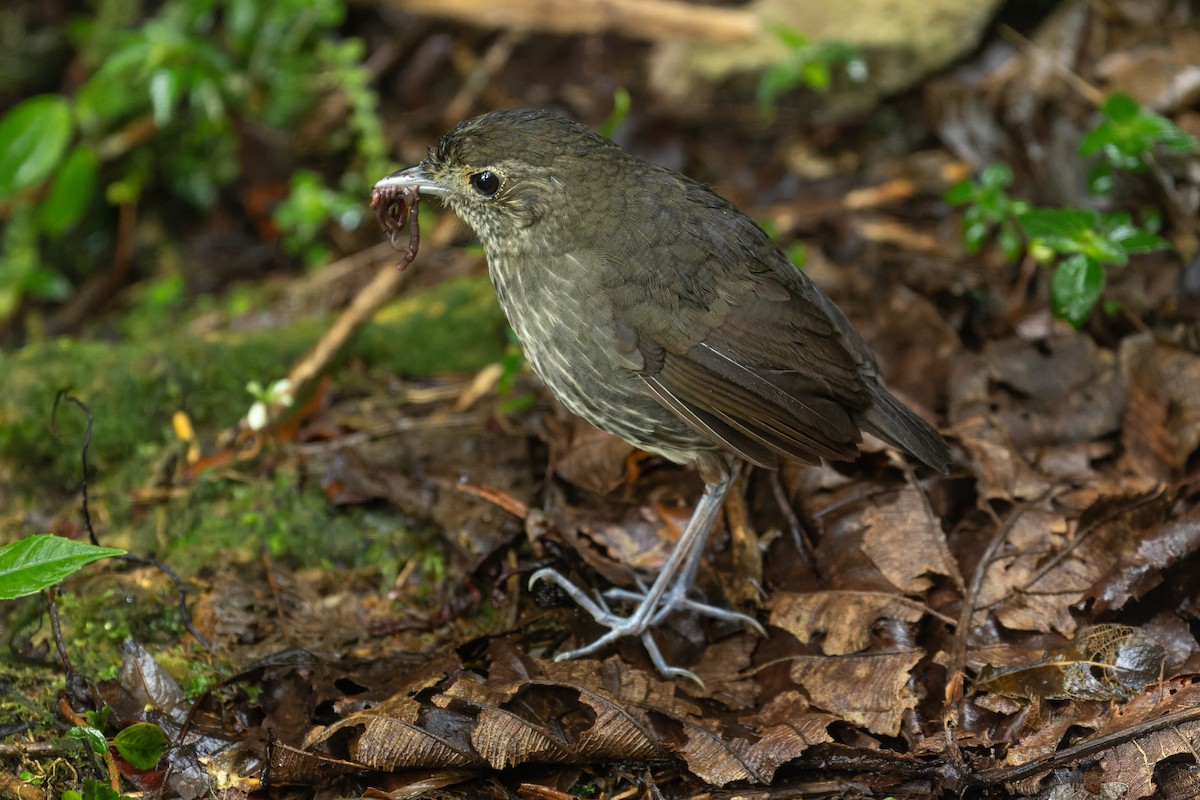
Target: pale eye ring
[487, 183]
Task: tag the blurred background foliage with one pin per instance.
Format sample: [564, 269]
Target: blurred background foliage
[161, 111]
[155, 153]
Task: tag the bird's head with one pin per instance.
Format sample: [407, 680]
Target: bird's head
[506, 171]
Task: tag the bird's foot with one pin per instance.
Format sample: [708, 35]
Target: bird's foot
[673, 602]
[639, 623]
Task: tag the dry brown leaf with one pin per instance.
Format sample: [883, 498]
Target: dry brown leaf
[506, 739]
[906, 543]
[587, 456]
[618, 731]
[1162, 424]
[1001, 471]
[290, 765]
[1042, 734]
[392, 738]
[845, 617]
[870, 689]
[725, 670]
[1026, 598]
[1158, 549]
[715, 758]
[789, 726]
[1133, 763]
[614, 678]
[1066, 388]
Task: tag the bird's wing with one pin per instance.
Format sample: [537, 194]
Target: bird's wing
[738, 343]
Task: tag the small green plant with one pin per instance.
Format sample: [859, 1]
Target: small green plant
[1080, 243]
[141, 744]
[1127, 138]
[622, 105]
[278, 393]
[92, 789]
[990, 211]
[807, 63]
[162, 108]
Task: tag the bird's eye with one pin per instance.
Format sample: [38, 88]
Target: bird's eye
[487, 183]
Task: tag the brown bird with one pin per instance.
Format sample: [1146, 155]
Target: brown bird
[658, 312]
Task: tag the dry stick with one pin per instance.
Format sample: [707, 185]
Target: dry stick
[1080, 534]
[800, 535]
[479, 75]
[641, 19]
[1076, 753]
[392, 215]
[956, 660]
[744, 545]
[184, 613]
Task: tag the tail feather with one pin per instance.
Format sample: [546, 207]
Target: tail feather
[899, 426]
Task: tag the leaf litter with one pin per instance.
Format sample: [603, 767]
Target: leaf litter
[1025, 623]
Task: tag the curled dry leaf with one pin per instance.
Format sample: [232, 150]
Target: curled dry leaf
[1104, 662]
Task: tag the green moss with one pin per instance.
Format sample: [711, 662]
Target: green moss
[456, 326]
[133, 388]
[233, 520]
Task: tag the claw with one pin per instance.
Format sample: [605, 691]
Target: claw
[669, 606]
[666, 595]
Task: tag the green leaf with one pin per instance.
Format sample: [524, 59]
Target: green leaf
[32, 564]
[1140, 241]
[816, 75]
[622, 103]
[33, 137]
[99, 790]
[1100, 247]
[1130, 133]
[1048, 224]
[794, 39]
[165, 87]
[98, 719]
[70, 192]
[45, 283]
[90, 735]
[1120, 107]
[975, 231]
[959, 193]
[1009, 240]
[1095, 139]
[1077, 284]
[1131, 238]
[996, 176]
[797, 253]
[141, 744]
[1101, 179]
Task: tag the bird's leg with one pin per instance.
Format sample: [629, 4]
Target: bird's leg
[676, 597]
[669, 590]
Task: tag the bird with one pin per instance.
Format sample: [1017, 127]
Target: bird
[658, 312]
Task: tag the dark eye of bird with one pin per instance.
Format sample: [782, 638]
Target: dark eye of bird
[487, 183]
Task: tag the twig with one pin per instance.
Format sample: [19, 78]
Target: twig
[641, 19]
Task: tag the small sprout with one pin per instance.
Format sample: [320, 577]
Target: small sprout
[278, 393]
[807, 63]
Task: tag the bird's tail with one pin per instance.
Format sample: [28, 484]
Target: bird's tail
[899, 426]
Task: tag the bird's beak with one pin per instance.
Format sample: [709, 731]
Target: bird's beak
[412, 178]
